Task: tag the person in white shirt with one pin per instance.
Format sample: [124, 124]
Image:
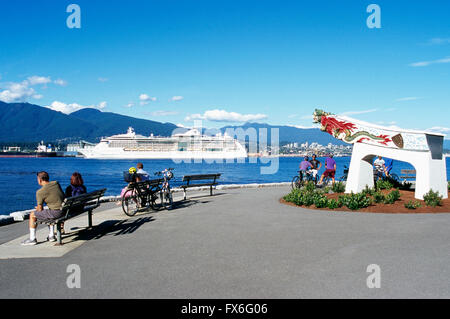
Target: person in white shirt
[379, 167]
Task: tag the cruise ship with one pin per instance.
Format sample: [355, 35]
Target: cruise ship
[191, 144]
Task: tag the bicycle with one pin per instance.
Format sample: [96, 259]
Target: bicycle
[140, 195]
[301, 179]
[344, 177]
[165, 192]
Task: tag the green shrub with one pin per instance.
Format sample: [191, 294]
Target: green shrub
[378, 197]
[384, 184]
[368, 191]
[355, 201]
[405, 186]
[342, 200]
[333, 204]
[395, 183]
[320, 201]
[412, 204]
[338, 187]
[326, 189]
[392, 197]
[432, 199]
[310, 186]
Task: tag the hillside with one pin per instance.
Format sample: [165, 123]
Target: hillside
[24, 122]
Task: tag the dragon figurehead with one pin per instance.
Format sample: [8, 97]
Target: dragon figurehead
[345, 130]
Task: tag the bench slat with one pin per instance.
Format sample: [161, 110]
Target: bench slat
[199, 185]
[200, 177]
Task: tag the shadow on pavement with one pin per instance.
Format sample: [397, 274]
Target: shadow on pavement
[107, 228]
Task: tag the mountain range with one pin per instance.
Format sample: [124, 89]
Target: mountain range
[24, 122]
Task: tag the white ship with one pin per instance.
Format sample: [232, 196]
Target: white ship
[191, 144]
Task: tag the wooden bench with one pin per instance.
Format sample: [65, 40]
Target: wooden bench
[74, 206]
[149, 186]
[211, 178]
[407, 174]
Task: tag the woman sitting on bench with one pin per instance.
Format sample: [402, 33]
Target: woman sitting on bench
[75, 188]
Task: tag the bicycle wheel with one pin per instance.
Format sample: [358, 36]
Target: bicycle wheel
[326, 181]
[152, 200]
[296, 182]
[167, 199]
[131, 202]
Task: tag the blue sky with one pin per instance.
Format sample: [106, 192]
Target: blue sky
[227, 62]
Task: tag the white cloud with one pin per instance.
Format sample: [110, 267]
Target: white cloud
[34, 80]
[131, 104]
[301, 126]
[145, 99]
[358, 112]
[100, 79]
[224, 116]
[23, 91]
[176, 98]
[18, 92]
[427, 63]
[409, 98]
[163, 113]
[73, 107]
[439, 129]
[60, 82]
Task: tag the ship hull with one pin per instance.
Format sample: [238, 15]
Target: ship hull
[28, 154]
[121, 154]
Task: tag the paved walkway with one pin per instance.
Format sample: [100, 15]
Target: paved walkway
[240, 243]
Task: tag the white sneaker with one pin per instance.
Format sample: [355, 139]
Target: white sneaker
[29, 242]
[52, 238]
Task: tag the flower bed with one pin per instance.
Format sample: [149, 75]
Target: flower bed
[370, 201]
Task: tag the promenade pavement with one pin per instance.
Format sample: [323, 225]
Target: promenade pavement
[239, 243]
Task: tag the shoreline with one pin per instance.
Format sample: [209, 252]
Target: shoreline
[22, 215]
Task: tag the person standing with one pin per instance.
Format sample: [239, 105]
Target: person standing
[316, 165]
[330, 169]
[379, 168]
[51, 194]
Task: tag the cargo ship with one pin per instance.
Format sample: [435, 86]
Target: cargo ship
[42, 150]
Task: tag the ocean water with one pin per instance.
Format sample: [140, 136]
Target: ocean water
[18, 183]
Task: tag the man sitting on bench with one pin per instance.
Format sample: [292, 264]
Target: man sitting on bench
[51, 194]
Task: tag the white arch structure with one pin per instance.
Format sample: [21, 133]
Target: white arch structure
[423, 150]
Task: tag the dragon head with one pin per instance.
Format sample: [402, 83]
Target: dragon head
[317, 115]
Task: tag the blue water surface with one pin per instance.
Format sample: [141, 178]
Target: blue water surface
[18, 183]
